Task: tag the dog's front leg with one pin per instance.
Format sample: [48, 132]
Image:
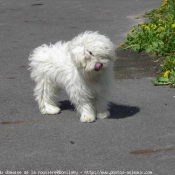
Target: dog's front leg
[102, 107]
[87, 113]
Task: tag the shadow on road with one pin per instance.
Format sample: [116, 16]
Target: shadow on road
[122, 111]
[66, 105]
[132, 65]
[117, 111]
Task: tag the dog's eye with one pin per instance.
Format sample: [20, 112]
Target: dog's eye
[91, 53]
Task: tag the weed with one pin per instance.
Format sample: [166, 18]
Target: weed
[157, 36]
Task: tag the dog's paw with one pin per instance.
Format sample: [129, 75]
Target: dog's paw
[103, 115]
[87, 118]
[49, 109]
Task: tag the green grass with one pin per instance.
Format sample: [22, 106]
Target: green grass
[157, 36]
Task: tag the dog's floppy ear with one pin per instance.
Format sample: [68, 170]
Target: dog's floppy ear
[78, 55]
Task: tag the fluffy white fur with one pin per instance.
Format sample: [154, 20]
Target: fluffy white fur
[83, 67]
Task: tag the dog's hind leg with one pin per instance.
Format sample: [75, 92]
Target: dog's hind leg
[44, 93]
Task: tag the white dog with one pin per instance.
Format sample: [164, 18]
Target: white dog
[83, 67]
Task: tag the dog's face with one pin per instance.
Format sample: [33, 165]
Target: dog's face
[92, 52]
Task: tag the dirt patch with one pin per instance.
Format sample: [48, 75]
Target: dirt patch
[132, 65]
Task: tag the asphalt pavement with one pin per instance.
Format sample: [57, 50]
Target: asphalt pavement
[138, 138]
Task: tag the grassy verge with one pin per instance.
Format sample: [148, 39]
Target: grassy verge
[157, 36]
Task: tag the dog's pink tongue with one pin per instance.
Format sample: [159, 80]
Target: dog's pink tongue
[98, 66]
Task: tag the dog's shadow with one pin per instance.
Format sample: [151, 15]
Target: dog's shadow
[116, 111]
